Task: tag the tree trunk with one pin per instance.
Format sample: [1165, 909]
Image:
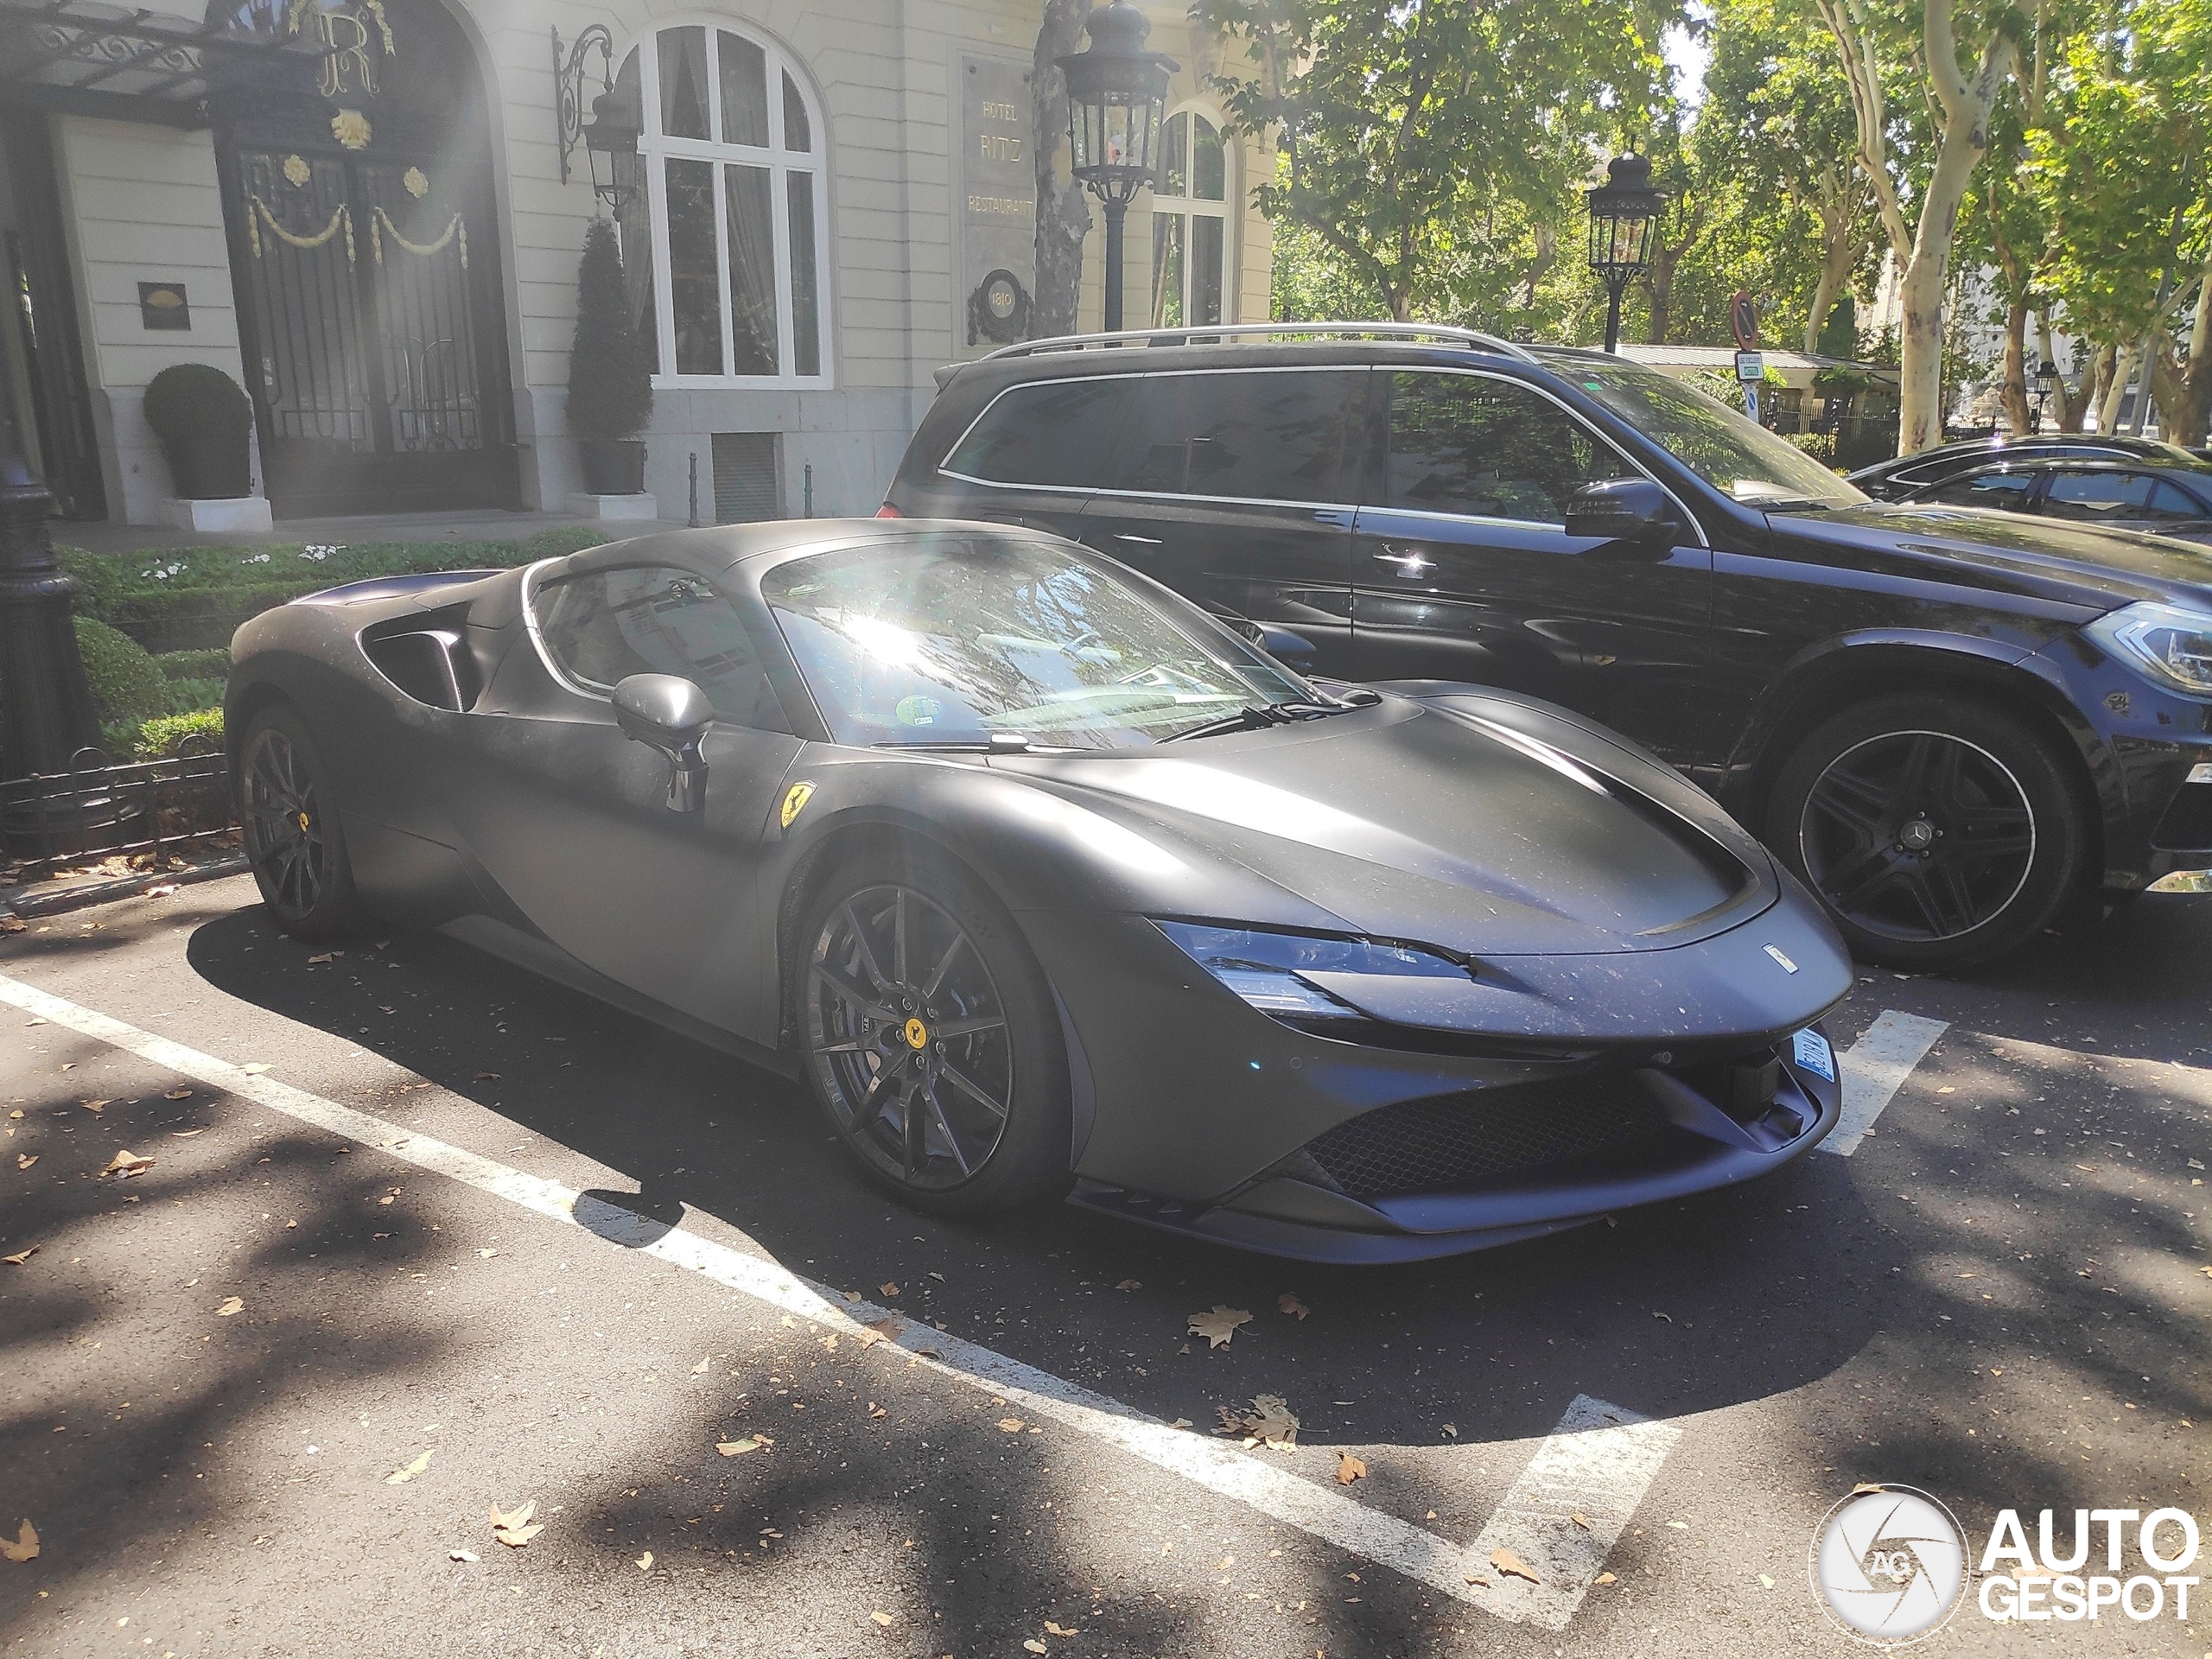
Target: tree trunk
[1836, 271]
[1920, 417]
[2123, 367]
[1663, 290]
[2016, 365]
[1062, 212]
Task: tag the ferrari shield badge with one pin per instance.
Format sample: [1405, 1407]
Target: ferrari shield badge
[795, 800]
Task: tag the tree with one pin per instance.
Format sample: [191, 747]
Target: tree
[1412, 131]
[610, 384]
[1959, 101]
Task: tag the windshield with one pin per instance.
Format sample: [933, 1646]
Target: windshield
[1720, 446]
[948, 638]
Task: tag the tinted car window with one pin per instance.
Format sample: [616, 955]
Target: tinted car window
[1464, 443]
[605, 627]
[1250, 436]
[2010, 491]
[1057, 432]
[2094, 496]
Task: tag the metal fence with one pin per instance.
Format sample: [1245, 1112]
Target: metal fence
[98, 810]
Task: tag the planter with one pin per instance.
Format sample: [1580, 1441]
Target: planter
[209, 465]
[613, 465]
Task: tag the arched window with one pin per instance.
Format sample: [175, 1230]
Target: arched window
[1190, 222]
[725, 244]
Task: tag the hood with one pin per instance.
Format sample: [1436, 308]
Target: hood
[1518, 834]
[2082, 564]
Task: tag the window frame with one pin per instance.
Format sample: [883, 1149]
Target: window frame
[656, 149]
[1188, 207]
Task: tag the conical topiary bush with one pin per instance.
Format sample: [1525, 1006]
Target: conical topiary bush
[610, 389]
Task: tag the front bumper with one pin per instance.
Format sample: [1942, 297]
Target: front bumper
[1612, 1088]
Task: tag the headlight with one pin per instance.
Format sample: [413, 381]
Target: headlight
[2173, 644]
[1265, 969]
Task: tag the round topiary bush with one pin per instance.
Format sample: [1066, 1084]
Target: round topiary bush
[203, 421]
[126, 683]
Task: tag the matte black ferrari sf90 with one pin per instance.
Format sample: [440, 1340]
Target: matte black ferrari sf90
[1044, 879]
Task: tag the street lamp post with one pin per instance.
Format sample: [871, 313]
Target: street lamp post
[1116, 93]
[610, 137]
[48, 707]
[2046, 382]
[1623, 210]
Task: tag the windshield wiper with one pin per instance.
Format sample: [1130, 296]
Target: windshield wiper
[1257, 719]
[996, 743]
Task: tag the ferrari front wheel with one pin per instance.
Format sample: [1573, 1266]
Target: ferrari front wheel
[292, 838]
[932, 1042]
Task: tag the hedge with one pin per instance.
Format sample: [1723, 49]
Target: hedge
[159, 738]
[125, 683]
[178, 598]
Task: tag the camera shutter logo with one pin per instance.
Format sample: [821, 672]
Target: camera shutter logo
[1888, 1565]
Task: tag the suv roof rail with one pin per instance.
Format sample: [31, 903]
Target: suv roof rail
[1229, 332]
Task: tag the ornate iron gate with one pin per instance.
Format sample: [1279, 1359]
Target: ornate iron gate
[370, 319]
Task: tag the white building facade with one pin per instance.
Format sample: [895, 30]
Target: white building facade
[356, 209]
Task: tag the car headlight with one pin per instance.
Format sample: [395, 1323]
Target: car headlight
[2173, 644]
[1265, 969]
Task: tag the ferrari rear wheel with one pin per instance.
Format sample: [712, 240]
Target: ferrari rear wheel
[932, 1042]
[292, 838]
[1939, 833]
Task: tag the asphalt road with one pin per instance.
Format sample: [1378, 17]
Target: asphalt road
[1999, 1297]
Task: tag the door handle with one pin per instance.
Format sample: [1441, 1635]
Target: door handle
[1409, 561]
[1139, 541]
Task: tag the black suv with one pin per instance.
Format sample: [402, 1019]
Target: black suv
[1954, 724]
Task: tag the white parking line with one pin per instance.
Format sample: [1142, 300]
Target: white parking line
[1600, 1460]
[1874, 1068]
[1569, 1508]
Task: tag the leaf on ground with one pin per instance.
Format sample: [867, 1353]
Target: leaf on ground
[882, 1330]
[317, 960]
[401, 1477]
[1581, 1520]
[1269, 1422]
[701, 1368]
[1130, 1284]
[126, 1163]
[887, 1288]
[514, 1529]
[1349, 1468]
[20, 1256]
[11, 923]
[25, 1547]
[486, 1076]
[1052, 1629]
[25, 1159]
[176, 1093]
[230, 1304]
[1289, 1303]
[829, 1344]
[1219, 1325]
[884, 1619]
[1656, 1314]
[1606, 1577]
[739, 1448]
[1033, 1646]
[644, 1562]
[460, 1555]
[1182, 1422]
[1765, 1583]
[1452, 1429]
[187, 1135]
[1511, 1566]
[1864, 1487]
[255, 1067]
[161, 890]
[93, 1106]
[1011, 1425]
[1477, 1578]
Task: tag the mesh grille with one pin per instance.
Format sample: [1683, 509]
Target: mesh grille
[1476, 1138]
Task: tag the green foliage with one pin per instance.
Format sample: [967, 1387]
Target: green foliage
[1839, 333]
[187, 399]
[610, 387]
[1820, 446]
[158, 739]
[221, 586]
[1420, 141]
[175, 665]
[125, 685]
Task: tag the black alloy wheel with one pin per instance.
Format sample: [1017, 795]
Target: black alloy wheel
[1937, 833]
[931, 1044]
[293, 841]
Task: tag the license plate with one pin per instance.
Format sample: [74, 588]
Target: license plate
[1813, 1054]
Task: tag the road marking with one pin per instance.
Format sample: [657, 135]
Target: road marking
[1596, 1466]
[1217, 1465]
[1874, 1068]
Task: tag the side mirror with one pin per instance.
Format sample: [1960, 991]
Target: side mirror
[1293, 651]
[1622, 510]
[672, 714]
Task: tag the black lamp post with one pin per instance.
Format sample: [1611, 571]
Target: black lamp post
[48, 707]
[2046, 382]
[1623, 210]
[1116, 92]
[610, 137]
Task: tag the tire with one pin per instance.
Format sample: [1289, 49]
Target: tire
[1938, 832]
[293, 839]
[939, 1062]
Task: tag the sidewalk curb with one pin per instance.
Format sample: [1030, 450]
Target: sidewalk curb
[27, 904]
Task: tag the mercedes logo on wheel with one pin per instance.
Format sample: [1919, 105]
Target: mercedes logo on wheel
[1888, 1563]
